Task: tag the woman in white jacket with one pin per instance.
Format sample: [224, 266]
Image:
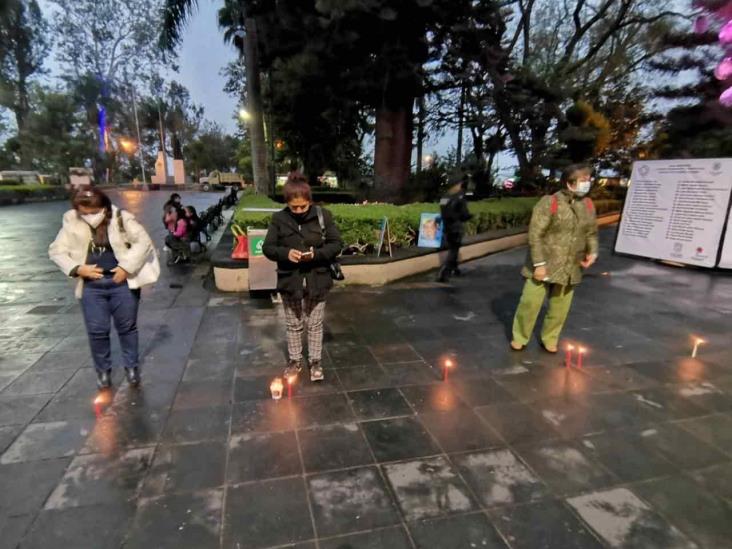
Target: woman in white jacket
[111, 256]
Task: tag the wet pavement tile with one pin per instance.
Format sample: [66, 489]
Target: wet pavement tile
[20, 409]
[186, 468]
[411, 373]
[203, 394]
[705, 394]
[569, 417]
[621, 377]
[12, 530]
[363, 377]
[517, 423]
[457, 532]
[350, 501]
[75, 399]
[119, 430]
[379, 403]
[258, 456]
[717, 479]
[668, 404]
[482, 392]
[714, 429]
[41, 441]
[197, 424]
[267, 514]
[622, 519]
[618, 411]
[24, 487]
[349, 355]
[7, 435]
[391, 537]
[547, 524]
[36, 383]
[548, 382]
[393, 352]
[321, 410]
[440, 397]
[262, 416]
[679, 447]
[623, 455]
[177, 521]
[498, 477]
[397, 439]
[82, 528]
[18, 363]
[460, 430]
[691, 508]
[428, 488]
[679, 370]
[329, 447]
[564, 468]
[95, 479]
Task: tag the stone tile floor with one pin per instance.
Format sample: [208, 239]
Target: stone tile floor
[514, 450]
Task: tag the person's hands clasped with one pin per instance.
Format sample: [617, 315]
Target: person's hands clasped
[589, 261]
[92, 272]
[540, 273]
[120, 275]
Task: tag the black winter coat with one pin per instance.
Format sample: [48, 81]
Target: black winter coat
[454, 212]
[286, 233]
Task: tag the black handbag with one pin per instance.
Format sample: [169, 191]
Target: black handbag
[336, 272]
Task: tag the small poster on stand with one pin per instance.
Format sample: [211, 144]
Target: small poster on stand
[384, 238]
[430, 231]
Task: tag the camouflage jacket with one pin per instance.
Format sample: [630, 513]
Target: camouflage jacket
[560, 236]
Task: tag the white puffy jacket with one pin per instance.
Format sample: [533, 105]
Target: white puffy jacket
[133, 248]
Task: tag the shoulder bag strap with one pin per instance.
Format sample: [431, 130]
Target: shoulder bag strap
[321, 221]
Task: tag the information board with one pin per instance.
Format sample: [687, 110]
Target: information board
[676, 210]
[725, 261]
[430, 231]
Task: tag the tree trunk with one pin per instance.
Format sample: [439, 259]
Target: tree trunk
[461, 117]
[254, 107]
[393, 152]
[420, 133]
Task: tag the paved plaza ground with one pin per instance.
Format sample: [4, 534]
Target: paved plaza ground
[514, 450]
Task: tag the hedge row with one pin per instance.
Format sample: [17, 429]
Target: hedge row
[360, 224]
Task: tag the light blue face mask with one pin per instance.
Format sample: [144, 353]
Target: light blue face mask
[583, 187]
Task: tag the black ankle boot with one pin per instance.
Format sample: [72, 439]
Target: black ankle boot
[104, 379]
[133, 376]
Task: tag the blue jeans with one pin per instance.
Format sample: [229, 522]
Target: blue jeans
[102, 300]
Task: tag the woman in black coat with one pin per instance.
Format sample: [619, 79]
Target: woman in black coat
[304, 241]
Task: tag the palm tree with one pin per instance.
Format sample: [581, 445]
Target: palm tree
[241, 31]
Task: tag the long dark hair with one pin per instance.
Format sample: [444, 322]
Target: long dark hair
[92, 197]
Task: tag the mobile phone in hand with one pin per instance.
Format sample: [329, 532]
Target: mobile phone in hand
[307, 255]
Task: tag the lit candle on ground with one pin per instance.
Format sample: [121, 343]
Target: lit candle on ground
[98, 405]
[290, 383]
[580, 353]
[568, 356]
[446, 366]
[276, 388]
[698, 341]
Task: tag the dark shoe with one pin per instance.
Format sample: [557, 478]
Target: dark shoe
[104, 379]
[316, 371]
[293, 369]
[443, 275]
[457, 272]
[133, 376]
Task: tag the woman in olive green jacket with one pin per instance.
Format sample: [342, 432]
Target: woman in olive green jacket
[562, 241]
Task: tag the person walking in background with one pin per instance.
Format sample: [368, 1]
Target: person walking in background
[562, 241]
[304, 241]
[112, 257]
[454, 213]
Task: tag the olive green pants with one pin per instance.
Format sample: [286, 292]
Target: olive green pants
[532, 298]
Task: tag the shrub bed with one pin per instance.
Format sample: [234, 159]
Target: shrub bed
[30, 192]
[360, 223]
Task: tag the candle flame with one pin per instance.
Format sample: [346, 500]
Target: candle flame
[449, 363]
[582, 350]
[99, 400]
[700, 341]
[570, 347]
[291, 379]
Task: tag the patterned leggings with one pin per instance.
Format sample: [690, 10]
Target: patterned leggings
[300, 313]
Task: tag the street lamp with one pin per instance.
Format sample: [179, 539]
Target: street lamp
[128, 145]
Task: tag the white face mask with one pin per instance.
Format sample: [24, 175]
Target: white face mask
[582, 188]
[94, 220]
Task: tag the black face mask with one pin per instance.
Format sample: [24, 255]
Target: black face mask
[299, 217]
